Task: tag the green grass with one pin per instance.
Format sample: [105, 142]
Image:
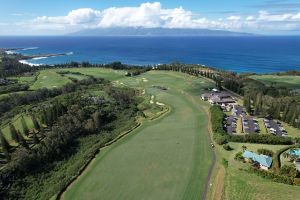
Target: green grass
[166, 158]
[263, 129]
[49, 79]
[239, 126]
[75, 76]
[292, 82]
[292, 132]
[99, 72]
[25, 79]
[17, 123]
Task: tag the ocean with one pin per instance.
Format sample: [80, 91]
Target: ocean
[239, 54]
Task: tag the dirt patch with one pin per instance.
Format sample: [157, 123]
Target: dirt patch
[219, 184]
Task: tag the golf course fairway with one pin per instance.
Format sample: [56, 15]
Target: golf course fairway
[166, 158]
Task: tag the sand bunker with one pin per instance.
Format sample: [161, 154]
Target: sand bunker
[160, 104]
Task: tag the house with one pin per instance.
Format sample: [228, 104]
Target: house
[221, 98]
[205, 96]
[264, 161]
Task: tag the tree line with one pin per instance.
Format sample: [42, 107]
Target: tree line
[57, 124]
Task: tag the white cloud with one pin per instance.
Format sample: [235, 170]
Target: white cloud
[150, 15]
[249, 18]
[234, 18]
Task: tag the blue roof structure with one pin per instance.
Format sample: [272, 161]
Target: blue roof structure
[261, 159]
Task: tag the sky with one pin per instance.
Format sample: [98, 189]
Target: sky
[59, 17]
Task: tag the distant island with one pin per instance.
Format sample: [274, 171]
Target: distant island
[139, 31]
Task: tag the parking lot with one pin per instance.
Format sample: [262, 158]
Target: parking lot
[250, 125]
[239, 110]
[231, 124]
[275, 127]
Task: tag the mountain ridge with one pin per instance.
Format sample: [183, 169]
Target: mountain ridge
[129, 31]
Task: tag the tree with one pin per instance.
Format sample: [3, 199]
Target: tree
[35, 138]
[97, 120]
[5, 145]
[258, 104]
[22, 141]
[13, 133]
[24, 126]
[90, 126]
[35, 122]
[247, 103]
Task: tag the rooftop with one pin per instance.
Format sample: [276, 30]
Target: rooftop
[261, 159]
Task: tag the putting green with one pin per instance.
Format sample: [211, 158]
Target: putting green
[167, 158]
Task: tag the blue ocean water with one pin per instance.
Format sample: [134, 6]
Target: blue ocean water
[240, 54]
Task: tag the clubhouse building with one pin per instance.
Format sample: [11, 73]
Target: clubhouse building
[263, 161]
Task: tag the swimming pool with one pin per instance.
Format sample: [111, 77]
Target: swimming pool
[295, 152]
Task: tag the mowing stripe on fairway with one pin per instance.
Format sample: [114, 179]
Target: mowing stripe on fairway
[167, 158]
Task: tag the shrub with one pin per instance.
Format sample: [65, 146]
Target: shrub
[261, 139]
[227, 147]
[221, 139]
[273, 176]
[288, 170]
[239, 156]
[265, 152]
[217, 118]
[297, 181]
[225, 162]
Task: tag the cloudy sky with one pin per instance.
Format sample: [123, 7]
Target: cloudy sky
[56, 17]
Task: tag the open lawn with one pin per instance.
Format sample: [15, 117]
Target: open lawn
[25, 79]
[166, 158]
[99, 72]
[292, 82]
[75, 76]
[49, 79]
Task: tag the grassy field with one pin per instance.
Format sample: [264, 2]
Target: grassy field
[25, 79]
[292, 82]
[166, 158]
[17, 123]
[99, 72]
[49, 79]
[75, 76]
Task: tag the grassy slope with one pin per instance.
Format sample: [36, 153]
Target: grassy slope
[99, 73]
[17, 123]
[49, 79]
[292, 82]
[164, 159]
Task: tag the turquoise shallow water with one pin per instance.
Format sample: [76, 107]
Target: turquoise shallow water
[240, 54]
